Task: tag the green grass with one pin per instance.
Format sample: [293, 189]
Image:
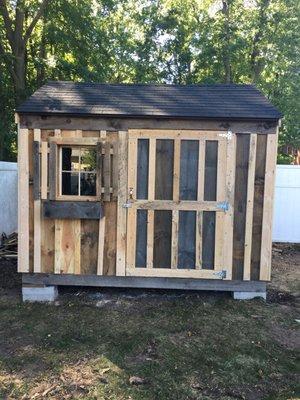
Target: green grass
[190, 347]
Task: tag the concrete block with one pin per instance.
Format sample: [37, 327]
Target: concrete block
[39, 293]
[249, 295]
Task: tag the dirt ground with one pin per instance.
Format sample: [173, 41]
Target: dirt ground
[147, 345]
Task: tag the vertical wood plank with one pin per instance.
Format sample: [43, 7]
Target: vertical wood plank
[37, 202]
[101, 238]
[228, 217]
[199, 224]
[107, 171]
[122, 198]
[151, 194]
[89, 246]
[52, 171]
[99, 169]
[266, 237]
[115, 170]
[221, 196]
[199, 216]
[249, 210]
[47, 245]
[44, 170]
[175, 213]
[23, 201]
[110, 238]
[131, 213]
[67, 246]
[57, 132]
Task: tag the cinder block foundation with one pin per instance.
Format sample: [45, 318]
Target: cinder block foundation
[249, 295]
[39, 293]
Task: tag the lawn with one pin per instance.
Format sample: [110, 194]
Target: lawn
[148, 345]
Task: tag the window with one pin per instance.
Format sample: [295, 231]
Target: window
[78, 171]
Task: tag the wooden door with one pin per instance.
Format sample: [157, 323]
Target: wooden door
[180, 203]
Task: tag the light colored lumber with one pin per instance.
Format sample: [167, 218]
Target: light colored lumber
[150, 238]
[151, 169]
[176, 169]
[200, 198]
[175, 134]
[131, 213]
[67, 246]
[85, 141]
[101, 238]
[249, 209]
[266, 236]
[23, 201]
[172, 273]
[184, 205]
[115, 173]
[122, 198]
[175, 213]
[199, 224]
[228, 217]
[221, 196]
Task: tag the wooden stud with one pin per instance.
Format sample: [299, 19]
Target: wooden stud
[23, 201]
[175, 213]
[172, 273]
[122, 199]
[150, 238]
[199, 224]
[99, 169]
[266, 237]
[200, 197]
[106, 171]
[221, 196]
[249, 207]
[184, 205]
[37, 203]
[53, 169]
[44, 170]
[115, 172]
[131, 213]
[78, 141]
[101, 238]
[151, 193]
[228, 217]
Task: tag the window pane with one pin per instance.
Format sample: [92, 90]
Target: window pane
[187, 239]
[211, 165]
[164, 169]
[189, 154]
[141, 239]
[70, 159]
[142, 169]
[87, 184]
[88, 159]
[70, 183]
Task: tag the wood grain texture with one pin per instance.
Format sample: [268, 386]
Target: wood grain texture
[53, 171]
[72, 210]
[110, 238]
[44, 170]
[89, 246]
[47, 245]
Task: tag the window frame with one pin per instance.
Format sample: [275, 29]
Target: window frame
[77, 197]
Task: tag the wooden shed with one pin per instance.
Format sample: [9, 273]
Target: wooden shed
[158, 186]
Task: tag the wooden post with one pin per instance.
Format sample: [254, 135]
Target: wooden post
[23, 201]
[37, 202]
[266, 236]
[122, 198]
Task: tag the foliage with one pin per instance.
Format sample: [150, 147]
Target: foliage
[172, 41]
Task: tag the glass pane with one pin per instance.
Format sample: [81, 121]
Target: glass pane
[187, 239]
[69, 185]
[162, 239]
[70, 158]
[88, 159]
[208, 239]
[142, 169]
[189, 154]
[141, 239]
[211, 165]
[87, 184]
[164, 169]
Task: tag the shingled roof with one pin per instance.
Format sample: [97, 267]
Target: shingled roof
[150, 100]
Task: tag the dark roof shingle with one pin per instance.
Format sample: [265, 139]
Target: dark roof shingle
[145, 100]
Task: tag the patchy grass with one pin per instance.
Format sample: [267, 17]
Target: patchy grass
[191, 346]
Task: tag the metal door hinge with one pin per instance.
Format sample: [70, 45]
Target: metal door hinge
[227, 135]
[221, 274]
[223, 205]
[127, 205]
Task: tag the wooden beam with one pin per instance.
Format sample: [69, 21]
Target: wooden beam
[249, 210]
[72, 209]
[151, 194]
[131, 213]
[44, 170]
[99, 169]
[101, 239]
[184, 205]
[79, 141]
[23, 201]
[200, 197]
[53, 169]
[37, 267]
[266, 237]
[122, 199]
[107, 171]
